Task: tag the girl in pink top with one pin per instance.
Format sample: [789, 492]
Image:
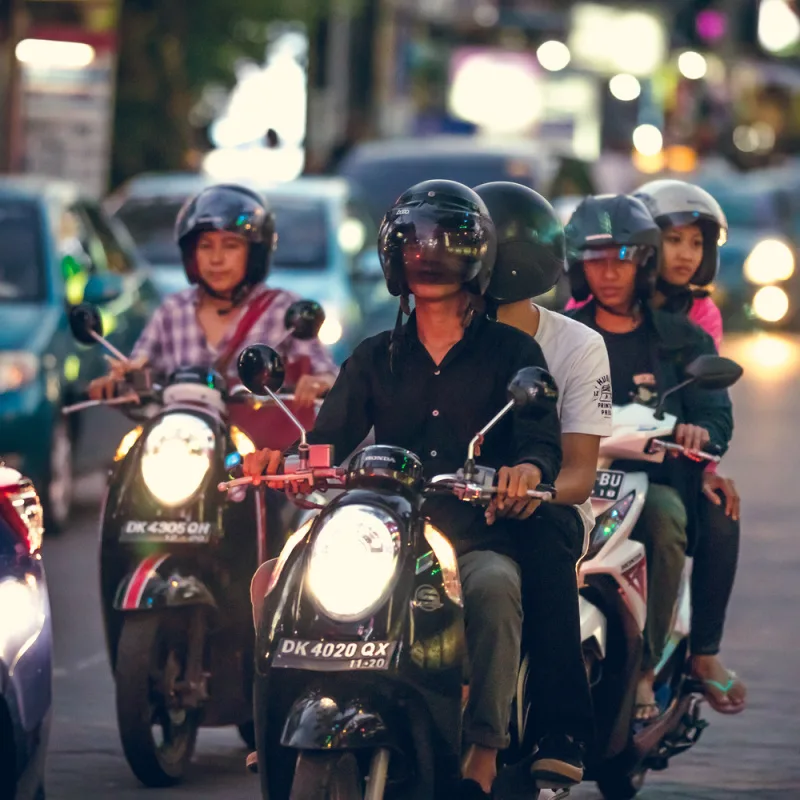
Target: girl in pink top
[694, 226]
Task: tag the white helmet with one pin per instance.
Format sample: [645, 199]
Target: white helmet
[675, 203]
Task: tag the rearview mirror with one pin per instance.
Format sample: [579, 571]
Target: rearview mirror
[304, 319]
[533, 388]
[714, 372]
[85, 323]
[103, 288]
[261, 369]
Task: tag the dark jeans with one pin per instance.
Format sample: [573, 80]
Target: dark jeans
[549, 549]
[715, 558]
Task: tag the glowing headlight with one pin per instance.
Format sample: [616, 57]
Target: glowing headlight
[177, 456]
[128, 441]
[241, 441]
[331, 330]
[771, 303]
[23, 610]
[770, 261]
[608, 523]
[353, 561]
[17, 369]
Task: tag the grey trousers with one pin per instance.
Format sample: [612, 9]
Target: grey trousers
[493, 612]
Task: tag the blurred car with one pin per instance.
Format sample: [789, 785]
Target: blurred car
[381, 170]
[26, 642]
[758, 281]
[323, 238]
[57, 247]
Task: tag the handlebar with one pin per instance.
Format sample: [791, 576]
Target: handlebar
[659, 444]
[328, 477]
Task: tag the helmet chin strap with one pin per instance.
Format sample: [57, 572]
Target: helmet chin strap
[632, 313]
[240, 291]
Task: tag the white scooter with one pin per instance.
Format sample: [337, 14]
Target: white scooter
[613, 605]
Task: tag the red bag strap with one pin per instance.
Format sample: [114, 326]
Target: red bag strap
[256, 308]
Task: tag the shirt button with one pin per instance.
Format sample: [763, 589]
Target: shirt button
[438, 372]
[436, 412]
[434, 453]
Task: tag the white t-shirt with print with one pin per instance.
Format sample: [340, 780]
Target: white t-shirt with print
[578, 360]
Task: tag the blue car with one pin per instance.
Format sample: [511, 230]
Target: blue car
[57, 247]
[323, 251]
[26, 642]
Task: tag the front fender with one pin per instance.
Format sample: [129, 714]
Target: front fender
[160, 581]
[318, 721]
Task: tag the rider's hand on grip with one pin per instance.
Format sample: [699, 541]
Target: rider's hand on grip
[256, 463]
[512, 500]
[692, 437]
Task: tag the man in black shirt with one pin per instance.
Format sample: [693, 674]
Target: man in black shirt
[612, 244]
[429, 386]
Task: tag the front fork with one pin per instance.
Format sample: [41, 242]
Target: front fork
[192, 692]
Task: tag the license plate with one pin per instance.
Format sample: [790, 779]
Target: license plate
[607, 484]
[166, 530]
[332, 656]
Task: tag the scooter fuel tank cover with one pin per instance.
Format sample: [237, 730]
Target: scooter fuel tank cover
[384, 466]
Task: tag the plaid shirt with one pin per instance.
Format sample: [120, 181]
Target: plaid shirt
[174, 338]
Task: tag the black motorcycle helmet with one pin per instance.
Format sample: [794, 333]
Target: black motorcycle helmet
[531, 251]
[447, 221]
[228, 207]
[613, 221]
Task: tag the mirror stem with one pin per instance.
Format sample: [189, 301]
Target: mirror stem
[303, 448]
[469, 467]
[110, 347]
[659, 412]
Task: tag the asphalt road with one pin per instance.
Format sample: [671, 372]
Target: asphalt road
[754, 754]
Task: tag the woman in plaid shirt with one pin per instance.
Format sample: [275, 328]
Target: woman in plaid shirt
[226, 235]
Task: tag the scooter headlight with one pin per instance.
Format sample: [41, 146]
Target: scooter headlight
[177, 457]
[608, 523]
[353, 561]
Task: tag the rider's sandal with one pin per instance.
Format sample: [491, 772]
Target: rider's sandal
[252, 762]
[713, 699]
[654, 712]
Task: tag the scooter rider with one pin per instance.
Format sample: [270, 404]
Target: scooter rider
[531, 256]
[693, 228]
[226, 234]
[427, 386]
[612, 246]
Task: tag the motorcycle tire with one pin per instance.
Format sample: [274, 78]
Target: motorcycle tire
[146, 643]
[326, 776]
[616, 784]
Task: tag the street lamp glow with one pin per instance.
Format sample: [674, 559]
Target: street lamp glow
[553, 55]
[692, 65]
[771, 304]
[44, 53]
[778, 26]
[625, 87]
[647, 139]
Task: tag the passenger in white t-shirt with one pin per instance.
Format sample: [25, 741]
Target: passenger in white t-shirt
[530, 257]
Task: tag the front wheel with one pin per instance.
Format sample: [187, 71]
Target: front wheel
[326, 776]
[617, 784]
[158, 734]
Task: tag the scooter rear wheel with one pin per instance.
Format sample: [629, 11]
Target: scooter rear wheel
[326, 776]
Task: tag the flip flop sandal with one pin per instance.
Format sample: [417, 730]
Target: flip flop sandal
[639, 720]
[723, 688]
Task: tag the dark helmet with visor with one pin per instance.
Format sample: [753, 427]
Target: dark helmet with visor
[437, 232]
[228, 207]
[674, 204]
[531, 253]
[610, 226]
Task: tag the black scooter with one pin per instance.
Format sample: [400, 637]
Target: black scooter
[176, 559]
[360, 648]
